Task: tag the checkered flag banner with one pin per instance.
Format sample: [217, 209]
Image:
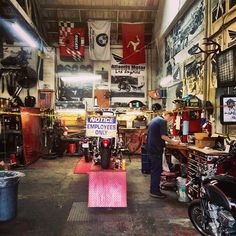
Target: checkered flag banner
[71, 42]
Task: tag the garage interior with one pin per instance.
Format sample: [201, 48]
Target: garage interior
[60, 99]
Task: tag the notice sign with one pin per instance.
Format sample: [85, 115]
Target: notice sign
[101, 126]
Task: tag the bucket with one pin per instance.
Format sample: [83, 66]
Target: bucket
[72, 147]
[182, 190]
[8, 194]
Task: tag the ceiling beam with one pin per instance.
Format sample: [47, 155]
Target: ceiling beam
[52, 7]
[49, 20]
[114, 32]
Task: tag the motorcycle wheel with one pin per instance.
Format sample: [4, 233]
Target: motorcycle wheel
[105, 158]
[86, 155]
[195, 213]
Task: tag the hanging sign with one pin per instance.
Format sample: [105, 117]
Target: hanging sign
[101, 126]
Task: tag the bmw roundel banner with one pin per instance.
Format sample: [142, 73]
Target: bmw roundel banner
[99, 40]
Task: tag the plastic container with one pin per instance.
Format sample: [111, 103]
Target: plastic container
[72, 148]
[182, 190]
[8, 194]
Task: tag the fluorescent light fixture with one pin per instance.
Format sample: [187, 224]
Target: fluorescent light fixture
[81, 77]
[24, 36]
[165, 82]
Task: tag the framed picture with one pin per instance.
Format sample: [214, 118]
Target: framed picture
[226, 64]
[228, 109]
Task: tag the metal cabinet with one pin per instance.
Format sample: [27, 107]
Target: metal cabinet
[200, 166]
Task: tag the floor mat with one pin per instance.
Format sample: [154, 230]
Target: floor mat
[82, 167]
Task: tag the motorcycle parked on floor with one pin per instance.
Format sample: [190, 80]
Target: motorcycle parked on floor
[87, 149]
[215, 212]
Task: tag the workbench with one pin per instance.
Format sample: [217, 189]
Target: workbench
[198, 163]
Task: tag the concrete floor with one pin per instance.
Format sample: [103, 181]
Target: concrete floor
[49, 189]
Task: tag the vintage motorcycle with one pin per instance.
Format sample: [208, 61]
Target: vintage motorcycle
[124, 85]
[215, 212]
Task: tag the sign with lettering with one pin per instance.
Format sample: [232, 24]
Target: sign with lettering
[101, 126]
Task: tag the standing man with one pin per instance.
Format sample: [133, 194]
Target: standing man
[156, 137]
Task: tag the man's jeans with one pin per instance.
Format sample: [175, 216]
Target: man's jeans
[156, 169]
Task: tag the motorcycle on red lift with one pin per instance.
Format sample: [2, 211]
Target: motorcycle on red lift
[105, 152]
[214, 213]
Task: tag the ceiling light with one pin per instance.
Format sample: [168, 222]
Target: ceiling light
[24, 35]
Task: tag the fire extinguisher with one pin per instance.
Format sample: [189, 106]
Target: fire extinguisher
[185, 128]
[174, 130]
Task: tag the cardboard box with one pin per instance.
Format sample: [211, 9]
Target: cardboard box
[200, 136]
[205, 142]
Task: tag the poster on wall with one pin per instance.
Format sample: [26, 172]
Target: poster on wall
[103, 82]
[74, 89]
[19, 57]
[72, 80]
[173, 69]
[193, 78]
[231, 35]
[127, 80]
[218, 9]
[185, 30]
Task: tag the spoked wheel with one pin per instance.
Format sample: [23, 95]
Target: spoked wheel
[195, 213]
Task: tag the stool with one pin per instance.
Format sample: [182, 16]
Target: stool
[168, 181]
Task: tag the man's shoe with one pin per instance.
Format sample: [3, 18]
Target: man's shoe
[158, 195]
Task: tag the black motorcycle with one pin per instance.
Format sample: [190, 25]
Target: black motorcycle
[215, 212]
[124, 85]
[87, 149]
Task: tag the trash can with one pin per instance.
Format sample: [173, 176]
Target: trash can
[8, 194]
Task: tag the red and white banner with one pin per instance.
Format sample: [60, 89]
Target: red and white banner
[71, 42]
[133, 43]
[99, 40]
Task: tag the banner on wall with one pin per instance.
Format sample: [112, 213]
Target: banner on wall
[127, 80]
[71, 42]
[133, 43]
[99, 40]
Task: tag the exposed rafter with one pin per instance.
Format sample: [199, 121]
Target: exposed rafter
[54, 7]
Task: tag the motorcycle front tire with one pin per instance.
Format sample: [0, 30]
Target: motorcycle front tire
[105, 158]
[195, 214]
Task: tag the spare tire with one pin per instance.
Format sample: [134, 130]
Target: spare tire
[26, 77]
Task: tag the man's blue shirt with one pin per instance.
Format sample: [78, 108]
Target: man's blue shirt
[156, 128]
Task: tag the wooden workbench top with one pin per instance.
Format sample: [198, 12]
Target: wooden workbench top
[207, 151]
[192, 147]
